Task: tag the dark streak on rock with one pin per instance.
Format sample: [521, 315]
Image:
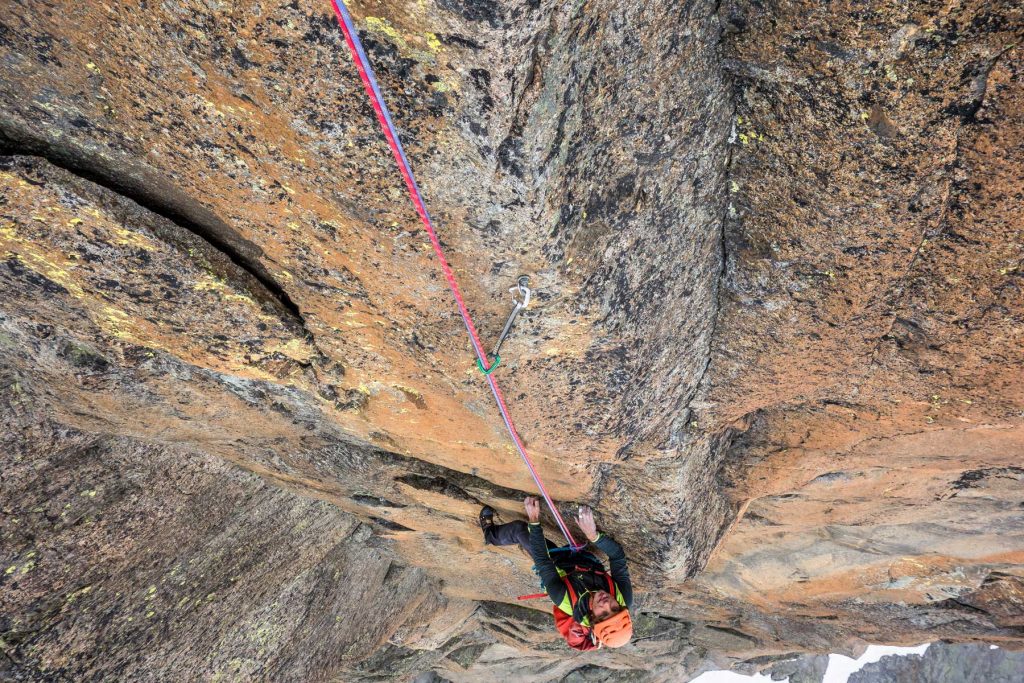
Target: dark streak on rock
[375, 501]
[388, 524]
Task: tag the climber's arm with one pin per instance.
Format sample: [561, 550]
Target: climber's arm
[542, 560]
[617, 559]
[608, 545]
[549, 575]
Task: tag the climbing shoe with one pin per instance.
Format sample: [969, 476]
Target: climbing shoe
[486, 518]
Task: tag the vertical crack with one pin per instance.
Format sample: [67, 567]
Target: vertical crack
[726, 205]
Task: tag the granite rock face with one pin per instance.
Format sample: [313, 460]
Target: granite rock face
[141, 562]
[871, 317]
[776, 338]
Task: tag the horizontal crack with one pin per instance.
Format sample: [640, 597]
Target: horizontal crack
[145, 187]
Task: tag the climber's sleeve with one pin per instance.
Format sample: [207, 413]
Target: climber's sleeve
[542, 560]
[617, 559]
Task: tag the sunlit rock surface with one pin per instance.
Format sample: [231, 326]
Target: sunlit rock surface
[776, 338]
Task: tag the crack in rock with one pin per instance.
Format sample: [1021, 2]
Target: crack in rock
[140, 184]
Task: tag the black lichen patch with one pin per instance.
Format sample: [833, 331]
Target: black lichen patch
[975, 478]
[460, 41]
[32, 279]
[510, 153]
[486, 11]
[482, 81]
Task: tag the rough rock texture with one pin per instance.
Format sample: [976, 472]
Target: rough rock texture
[127, 556]
[777, 337]
[803, 669]
[944, 662]
[870, 333]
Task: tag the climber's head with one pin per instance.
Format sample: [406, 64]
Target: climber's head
[615, 629]
[603, 605]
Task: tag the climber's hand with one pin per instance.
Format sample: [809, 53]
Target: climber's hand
[588, 526]
[532, 506]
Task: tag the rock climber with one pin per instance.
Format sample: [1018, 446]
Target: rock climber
[591, 606]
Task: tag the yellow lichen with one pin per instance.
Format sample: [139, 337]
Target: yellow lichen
[116, 322]
[433, 43]
[36, 260]
[381, 25]
[209, 284]
[130, 238]
[74, 595]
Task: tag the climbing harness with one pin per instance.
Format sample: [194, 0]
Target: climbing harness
[391, 133]
[574, 552]
[519, 304]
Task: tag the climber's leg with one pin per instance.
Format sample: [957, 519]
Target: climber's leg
[508, 534]
[513, 533]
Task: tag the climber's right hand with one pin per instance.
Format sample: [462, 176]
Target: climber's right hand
[588, 526]
[532, 505]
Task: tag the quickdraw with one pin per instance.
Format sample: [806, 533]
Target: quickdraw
[523, 290]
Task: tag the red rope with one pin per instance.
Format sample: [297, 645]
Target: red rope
[532, 596]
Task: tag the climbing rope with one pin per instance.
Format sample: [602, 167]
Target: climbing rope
[391, 133]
